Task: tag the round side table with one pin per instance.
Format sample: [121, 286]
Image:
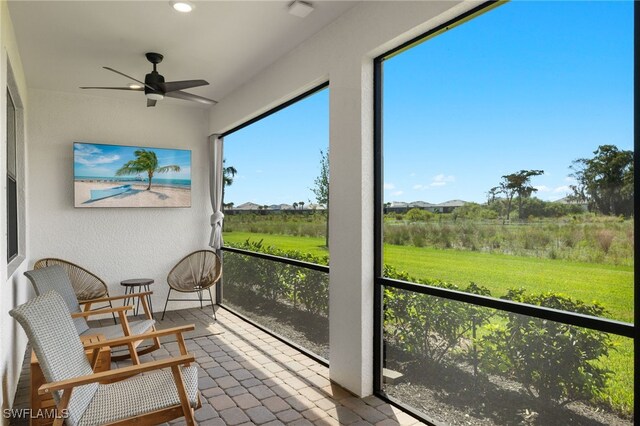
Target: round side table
[141, 284]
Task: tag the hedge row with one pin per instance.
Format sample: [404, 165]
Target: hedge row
[553, 361]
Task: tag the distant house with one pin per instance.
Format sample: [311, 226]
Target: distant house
[248, 206]
[420, 205]
[396, 207]
[449, 206]
[402, 207]
[573, 202]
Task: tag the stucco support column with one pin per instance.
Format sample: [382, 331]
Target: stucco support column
[351, 226]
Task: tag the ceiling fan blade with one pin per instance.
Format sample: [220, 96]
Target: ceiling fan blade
[116, 88]
[172, 86]
[151, 102]
[129, 77]
[190, 97]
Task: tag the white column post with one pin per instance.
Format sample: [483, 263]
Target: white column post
[351, 226]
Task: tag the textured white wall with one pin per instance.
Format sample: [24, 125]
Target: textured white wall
[13, 288]
[114, 243]
[343, 53]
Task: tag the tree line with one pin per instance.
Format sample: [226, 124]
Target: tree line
[604, 182]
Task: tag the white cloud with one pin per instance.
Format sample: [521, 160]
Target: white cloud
[419, 186]
[442, 180]
[389, 186]
[570, 179]
[412, 174]
[542, 188]
[564, 188]
[398, 193]
[90, 156]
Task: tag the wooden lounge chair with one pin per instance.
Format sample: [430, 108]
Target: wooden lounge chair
[86, 284]
[154, 397]
[55, 278]
[194, 273]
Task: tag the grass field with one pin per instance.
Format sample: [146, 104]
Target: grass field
[610, 285]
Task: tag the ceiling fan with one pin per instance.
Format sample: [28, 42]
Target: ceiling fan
[155, 88]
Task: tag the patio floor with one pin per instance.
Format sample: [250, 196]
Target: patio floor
[249, 377]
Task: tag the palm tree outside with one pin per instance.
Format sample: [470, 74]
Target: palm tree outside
[228, 173]
[145, 162]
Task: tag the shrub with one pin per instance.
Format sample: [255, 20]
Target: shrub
[553, 361]
[605, 238]
[429, 327]
[304, 288]
[418, 215]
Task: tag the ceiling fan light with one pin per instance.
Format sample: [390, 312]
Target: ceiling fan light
[155, 96]
[135, 86]
[300, 8]
[182, 6]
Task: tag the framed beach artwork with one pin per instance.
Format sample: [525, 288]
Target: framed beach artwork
[130, 176]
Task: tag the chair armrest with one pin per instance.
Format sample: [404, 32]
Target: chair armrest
[122, 341]
[101, 311]
[115, 374]
[124, 296]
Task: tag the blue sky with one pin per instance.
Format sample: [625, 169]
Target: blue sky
[95, 160]
[528, 85]
[278, 158]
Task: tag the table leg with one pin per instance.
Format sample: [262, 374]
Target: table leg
[149, 299]
[125, 300]
[138, 305]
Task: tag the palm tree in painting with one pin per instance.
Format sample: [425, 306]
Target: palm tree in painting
[145, 162]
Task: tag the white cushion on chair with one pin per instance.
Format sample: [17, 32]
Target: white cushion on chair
[115, 331]
[139, 395]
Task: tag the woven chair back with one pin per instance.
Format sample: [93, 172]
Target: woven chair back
[85, 284]
[52, 334]
[54, 278]
[195, 272]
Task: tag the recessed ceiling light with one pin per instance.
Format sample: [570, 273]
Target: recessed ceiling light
[300, 8]
[135, 86]
[182, 6]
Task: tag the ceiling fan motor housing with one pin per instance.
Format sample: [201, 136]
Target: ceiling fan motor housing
[152, 79]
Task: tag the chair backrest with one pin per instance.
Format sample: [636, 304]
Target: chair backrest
[196, 271]
[55, 278]
[54, 339]
[86, 284]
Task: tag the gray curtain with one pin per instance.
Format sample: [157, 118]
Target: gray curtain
[215, 190]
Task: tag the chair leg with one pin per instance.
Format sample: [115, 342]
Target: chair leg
[165, 303]
[187, 411]
[213, 307]
[200, 297]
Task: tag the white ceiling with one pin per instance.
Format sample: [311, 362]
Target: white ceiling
[65, 44]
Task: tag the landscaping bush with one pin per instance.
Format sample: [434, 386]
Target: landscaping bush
[429, 327]
[554, 362]
[305, 289]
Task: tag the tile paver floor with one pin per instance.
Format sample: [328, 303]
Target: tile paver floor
[249, 377]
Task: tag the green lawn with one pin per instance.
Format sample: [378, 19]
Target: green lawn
[610, 285]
